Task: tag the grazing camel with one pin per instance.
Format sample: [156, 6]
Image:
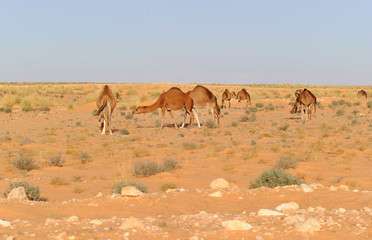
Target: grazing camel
[106, 104]
[173, 99]
[227, 96]
[362, 93]
[307, 102]
[201, 97]
[243, 95]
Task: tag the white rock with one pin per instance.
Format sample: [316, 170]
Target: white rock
[72, 219]
[18, 194]
[96, 222]
[219, 183]
[5, 223]
[343, 187]
[130, 223]
[310, 225]
[216, 194]
[320, 210]
[268, 212]
[236, 225]
[99, 195]
[332, 188]
[131, 191]
[10, 238]
[287, 207]
[292, 220]
[341, 210]
[71, 237]
[306, 188]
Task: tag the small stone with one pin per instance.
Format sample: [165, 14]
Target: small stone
[216, 194]
[310, 225]
[332, 188]
[291, 220]
[73, 219]
[10, 238]
[99, 195]
[96, 222]
[71, 237]
[341, 210]
[287, 207]
[131, 191]
[169, 190]
[320, 210]
[130, 223]
[18, 194]
[236, 225]
[5, 223]
[311, 209]
[268, 212]
[343, 187]
[306, 188]
[219, 183]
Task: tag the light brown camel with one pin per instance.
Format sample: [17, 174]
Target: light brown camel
[173, 99]
[227, 96]
[106, 104]
[243, 95]
[362, 93]
[202, 97]
[307, 102]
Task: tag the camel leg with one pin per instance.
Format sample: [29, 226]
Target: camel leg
[104, 126]
[162, 117]
[196, 116]
[184, 120]
[229, 104]
[170, 114]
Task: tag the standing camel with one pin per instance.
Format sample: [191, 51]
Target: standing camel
[227, 96]
[106, 104]
[362, 93]
[306, 100]
[173, 99]
[243, 95]
[203, 97]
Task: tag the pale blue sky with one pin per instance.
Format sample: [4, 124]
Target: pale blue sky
[306, 42]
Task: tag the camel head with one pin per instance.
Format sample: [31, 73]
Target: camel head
[233, 94]
[298, 93]
[139, 109]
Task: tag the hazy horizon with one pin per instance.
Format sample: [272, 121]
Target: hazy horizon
[221, 42]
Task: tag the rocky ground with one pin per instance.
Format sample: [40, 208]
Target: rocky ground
[292, 212]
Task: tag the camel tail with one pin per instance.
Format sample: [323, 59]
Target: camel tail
[218, 110]
[102, 107]
[315, 105]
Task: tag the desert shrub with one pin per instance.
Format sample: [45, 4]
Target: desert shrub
[210, 123]
[253, 142]
[133, 107]
[43, 109]
[170, 164]
[189, 145]
[123, 108]
[145, 168]
[8, 110]
[58, 181]
[244, 118]
[122, 113]
[32, 192]
[181, 135]
[129, 116]
[251, 110]
[252, 118]
[84, 158]
[340, 112]
[275, 177]
[56, 161]
[284, 127]
[234, 124]
[156, 112]
[349, 104]
[369, 104]
[70, 106]
[23, 162]
[94, 112]
[25, 141]
[270, 107]
[27, 109]
[1, 109]
[259, 105]
[357, 103]
[286, 162]
[116, 187]
[131, 91]
[124, 131]
[164, 187]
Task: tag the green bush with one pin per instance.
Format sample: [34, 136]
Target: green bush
[170, 164]
[31, 191]
[56, 161]
[70, 106]
[147, 168]
[7, 109]
[275, 177]
[286, 162]
[116, 188]
[24, 162]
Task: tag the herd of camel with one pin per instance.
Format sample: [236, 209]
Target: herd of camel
[200, 97]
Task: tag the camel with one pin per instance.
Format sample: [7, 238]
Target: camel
[203, 97]
[106, 104]
[362, 93]
[173, 99]
[227, 96]
[306, 100]
[243, 95]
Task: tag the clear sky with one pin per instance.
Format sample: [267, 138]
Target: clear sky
[264, 42]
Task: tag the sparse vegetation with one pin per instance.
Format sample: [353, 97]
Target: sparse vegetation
[56, 161]
[23, 162]
[124, 131]
[147, 168]
[189, 145]
[275, 177]
[286, 162]
[58, 181]
[210, 123]
[116, 188]
[164, 187]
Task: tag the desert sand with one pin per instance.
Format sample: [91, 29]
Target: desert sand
[333, 153]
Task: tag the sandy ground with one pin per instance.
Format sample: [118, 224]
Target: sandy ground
[333, 149]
